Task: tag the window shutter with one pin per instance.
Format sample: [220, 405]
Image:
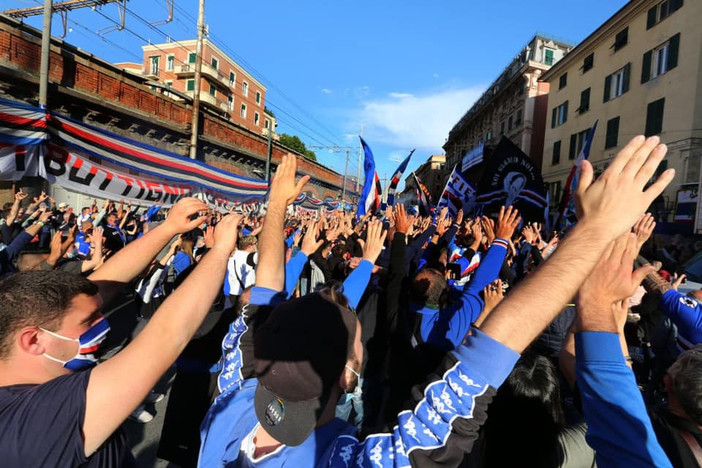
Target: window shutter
[651, 18]
[646, 67]
[612, 133]
[565, 111]
[607, 86]
[556, 153]
[676, 5]
[627, 74]
[554, 115]
[673, 49]
[573, 143]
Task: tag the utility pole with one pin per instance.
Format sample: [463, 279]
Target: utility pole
[346, 169]
[360, 164]
[269, 153]
[198, 72]
[45, 54]
[339, 149]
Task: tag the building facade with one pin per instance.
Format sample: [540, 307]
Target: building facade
[514, 106]
[225, 86]
[432, 174]
[638, 73]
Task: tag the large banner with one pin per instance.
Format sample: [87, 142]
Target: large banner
[100, 163]
[511, 178]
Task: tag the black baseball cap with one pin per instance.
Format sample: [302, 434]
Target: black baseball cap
[300, 352]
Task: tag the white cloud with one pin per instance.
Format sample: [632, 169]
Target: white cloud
[326, 91]
[416, 121]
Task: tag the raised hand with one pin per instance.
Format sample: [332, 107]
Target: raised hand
[375, 239]
[402, 221]
[19, 196]
[283, 189]
[507, 222]
[488, 226]
[209, 236]
[459, 217]
[310, 244]
[644, 228]
[614, 202]
[45, 215]
[185, 215]
[528, 234]
[226, 233]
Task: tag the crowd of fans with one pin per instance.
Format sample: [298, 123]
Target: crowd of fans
[335, 341]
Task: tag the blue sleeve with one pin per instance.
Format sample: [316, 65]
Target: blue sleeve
[451, 408]
[152, 211]
[686, 314]
[293, 270]
[266, 297]
[17, 244]
[489, 268]
[450, 234]
[180, 262]
[618, 427]
[356, 283]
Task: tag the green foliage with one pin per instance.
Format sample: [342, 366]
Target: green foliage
[294, 143]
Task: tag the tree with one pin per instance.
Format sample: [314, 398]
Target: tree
[294, 143]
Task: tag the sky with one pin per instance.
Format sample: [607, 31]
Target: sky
[400, 72]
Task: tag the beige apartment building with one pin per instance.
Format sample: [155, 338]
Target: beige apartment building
[514, 105]
[638, 73]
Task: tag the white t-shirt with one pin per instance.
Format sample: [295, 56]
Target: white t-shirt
[240, 275]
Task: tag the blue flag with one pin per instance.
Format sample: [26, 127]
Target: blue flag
[392, 186]
[369, 202]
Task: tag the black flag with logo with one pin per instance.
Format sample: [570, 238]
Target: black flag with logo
[511, 178]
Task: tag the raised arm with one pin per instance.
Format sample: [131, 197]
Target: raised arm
[270, 272]
[126, 264]
[139, 366]
[607, 209]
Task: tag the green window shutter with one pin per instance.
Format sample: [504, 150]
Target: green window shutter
[585, 100]
[651, 17]
[191, 57]
[554, 115]
[612, 137]
[190, 85]
[673, 50]
[675, 6]
[654, 117]
[646, 67]
[607, 86]
[565, 112]
[556, 153]
[627, 74]
[573, 144]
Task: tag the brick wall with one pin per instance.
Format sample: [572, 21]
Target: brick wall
[74, 69]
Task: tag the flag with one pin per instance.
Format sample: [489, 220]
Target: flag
[423, 197]
[392, 186]
[510, 177]
[457, 193]
[566, 215]
[369, 202]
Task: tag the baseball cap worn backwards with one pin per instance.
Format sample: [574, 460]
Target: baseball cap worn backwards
[300, 352]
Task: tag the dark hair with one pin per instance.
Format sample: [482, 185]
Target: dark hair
[428, 287]
[37, 298]
[686, 377]
[526, 413]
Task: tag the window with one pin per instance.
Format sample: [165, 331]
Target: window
[661, 59]
[584, 101]
[588, 63]
[215, 63]
[230, 101]
[661, 11]
[510, 123]
[563, 81]
[617, 83]
[169, 83]
[612, 138]
[154, 64]
[266, 123]
[556, 158]
[559, 115]
[548, 56]
[170, 61]
[245, 88]
[692, 173]
[621, 39]
[518, 119]
[191, 57]
[502, 127]
[654, 117]
[232, 79]
[258, 98]
[213, 90]
[190, 85]
[577, 140]
[243, 111]
[257, 117]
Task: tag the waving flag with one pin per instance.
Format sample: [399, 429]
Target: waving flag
[457, 193]
[566, 215]
[369, 202]
[392, 186]
[423, 197]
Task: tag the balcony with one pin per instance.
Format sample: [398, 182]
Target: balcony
[187, 70]
[210, 100]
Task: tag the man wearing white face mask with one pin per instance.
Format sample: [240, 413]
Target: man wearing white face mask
[56, 407]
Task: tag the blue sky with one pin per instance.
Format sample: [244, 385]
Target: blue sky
[405, 71]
